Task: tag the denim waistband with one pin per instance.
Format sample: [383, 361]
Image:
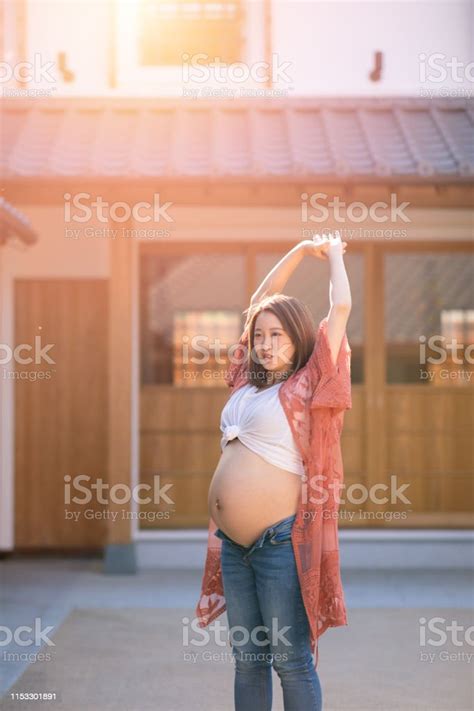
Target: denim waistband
[280, 527]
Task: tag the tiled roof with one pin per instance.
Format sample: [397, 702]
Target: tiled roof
[408, 138]
[14, 223]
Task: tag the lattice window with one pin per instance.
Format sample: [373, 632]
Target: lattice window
[170, 29]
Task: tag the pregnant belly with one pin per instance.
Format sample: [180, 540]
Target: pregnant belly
[248, 494]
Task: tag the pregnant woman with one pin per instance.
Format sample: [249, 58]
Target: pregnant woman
[272, 559]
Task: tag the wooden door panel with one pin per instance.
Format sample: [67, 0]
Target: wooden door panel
[430, 444]
[60, 410]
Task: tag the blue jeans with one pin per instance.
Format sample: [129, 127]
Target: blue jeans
[268, 624]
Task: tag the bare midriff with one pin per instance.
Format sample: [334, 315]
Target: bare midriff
[247, 494]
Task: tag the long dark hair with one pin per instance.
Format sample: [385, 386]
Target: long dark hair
[296, 319]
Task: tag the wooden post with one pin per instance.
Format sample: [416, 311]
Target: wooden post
[120, 552]
[374, 372]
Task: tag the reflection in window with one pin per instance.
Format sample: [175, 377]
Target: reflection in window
[453, 364]
[201, 340]
[458, 324]
[429, 300]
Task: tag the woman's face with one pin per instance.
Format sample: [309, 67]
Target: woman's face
[273, 346]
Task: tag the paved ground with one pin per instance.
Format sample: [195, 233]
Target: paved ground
[51, 589]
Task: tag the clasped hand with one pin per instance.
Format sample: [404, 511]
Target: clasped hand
[324, 246]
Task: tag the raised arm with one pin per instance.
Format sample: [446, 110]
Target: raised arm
[339, 297]
[277, 277]
[339, 292]
[329, 366]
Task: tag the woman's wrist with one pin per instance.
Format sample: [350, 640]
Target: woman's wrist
[301, 248]
[336, 254]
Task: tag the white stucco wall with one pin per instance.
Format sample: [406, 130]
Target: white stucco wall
[329, 46]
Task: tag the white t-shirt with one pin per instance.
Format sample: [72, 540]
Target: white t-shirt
[258, 419]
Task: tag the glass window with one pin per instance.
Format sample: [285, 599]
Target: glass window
[190, 313]
[169, 30]
[429, 302]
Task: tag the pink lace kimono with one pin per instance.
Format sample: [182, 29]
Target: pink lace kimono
[314, 400]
